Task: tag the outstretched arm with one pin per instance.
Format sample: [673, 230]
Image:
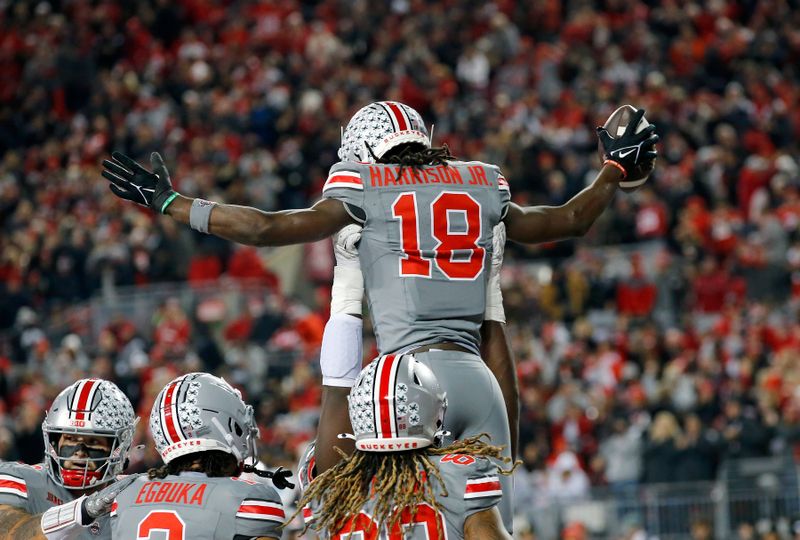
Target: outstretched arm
[630, 152]
[242, 224]
[536, 224]
[251, 226]
[485, 525]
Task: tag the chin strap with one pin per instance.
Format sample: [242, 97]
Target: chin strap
[346, 436]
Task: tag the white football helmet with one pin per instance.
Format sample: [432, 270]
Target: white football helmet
[95, 408]
[379, 127]
[396, 404]
[199, 412]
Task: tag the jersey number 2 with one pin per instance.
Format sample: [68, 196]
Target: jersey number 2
[167, 521]
[449, 244]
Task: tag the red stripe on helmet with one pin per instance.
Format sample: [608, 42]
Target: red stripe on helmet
[83, 398]
[169, 420]
[398, 115]
[385, 394]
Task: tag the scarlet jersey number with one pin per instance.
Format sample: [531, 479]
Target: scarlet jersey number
[457, 254]
[167, 521]
[426, 516]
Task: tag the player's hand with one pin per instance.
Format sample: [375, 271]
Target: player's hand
[99, 503]
[132, 182]
[630, 149]
[345, 246]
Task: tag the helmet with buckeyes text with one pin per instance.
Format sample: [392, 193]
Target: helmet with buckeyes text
[85, 411]
[199, 412]
[396, 404]
[379, 127]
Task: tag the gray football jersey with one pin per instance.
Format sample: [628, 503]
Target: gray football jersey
[192, 505]
[30, 488]
[425, 248]
[472, 485]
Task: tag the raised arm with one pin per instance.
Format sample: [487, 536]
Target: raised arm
[242, 224]
[251, 226]
[485, 525]
[631, 152]
[536, 224]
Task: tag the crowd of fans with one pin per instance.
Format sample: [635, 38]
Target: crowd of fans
[663, 343]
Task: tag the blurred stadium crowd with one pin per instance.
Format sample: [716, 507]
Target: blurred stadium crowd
[662, 343]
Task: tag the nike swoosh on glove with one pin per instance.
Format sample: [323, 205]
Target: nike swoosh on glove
[631, 148]
[132, 182]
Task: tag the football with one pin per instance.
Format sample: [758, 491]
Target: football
[616, 125]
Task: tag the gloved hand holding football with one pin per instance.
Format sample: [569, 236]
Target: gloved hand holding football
[628, 141]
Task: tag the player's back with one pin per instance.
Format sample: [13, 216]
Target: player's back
[192, 505]
[425, 247]
[472, 485]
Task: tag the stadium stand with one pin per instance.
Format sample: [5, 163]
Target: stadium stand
[659, 349]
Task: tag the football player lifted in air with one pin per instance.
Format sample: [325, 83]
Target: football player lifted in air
[400, 483]
[428, 223]
[88, 432]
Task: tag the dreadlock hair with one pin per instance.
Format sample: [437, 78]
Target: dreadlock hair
[397, 481]
[215, 463]
[413, 155]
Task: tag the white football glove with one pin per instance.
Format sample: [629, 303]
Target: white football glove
[494, 296]
[347, 291]
[345, 246]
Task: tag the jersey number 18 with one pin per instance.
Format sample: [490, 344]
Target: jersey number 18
[449, 244]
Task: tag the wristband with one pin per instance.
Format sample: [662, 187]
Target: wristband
[200, 214]
[342, 350]
[64, 521]
[618, 166]
[168, 202]
[347, 290]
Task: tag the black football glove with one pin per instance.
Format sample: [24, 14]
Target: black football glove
[630, 150]
[131, 181]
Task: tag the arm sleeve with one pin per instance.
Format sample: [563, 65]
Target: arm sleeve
[481, 486]
[345, 184]
[15, 480]
[260, 513]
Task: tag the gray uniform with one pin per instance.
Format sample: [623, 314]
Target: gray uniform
[472, 485]
[426, 247]
[30, 488]
[425, 253]
[192, 505]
